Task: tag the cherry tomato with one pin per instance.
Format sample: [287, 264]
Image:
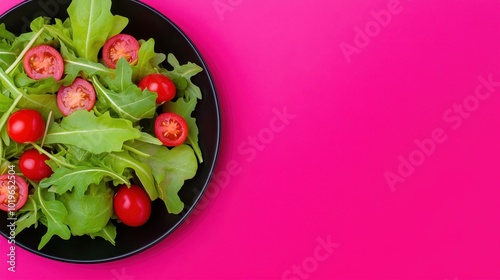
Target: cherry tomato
[171, 129]
[43, 61]
[33, 166]
[118, 46]
[132, 205]
[80, 95]
[160, 84]
[13, 192]
[25, 125]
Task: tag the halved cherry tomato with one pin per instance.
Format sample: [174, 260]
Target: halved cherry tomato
[43, 61]
[171, 129]
[80, 95]
[25, 126]
[33, 166]
[160, 84]
[118, 46]
[13, 192]
[132, 205]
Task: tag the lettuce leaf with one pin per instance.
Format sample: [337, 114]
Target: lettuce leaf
[95, 134]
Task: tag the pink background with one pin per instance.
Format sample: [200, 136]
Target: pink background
[310, 199]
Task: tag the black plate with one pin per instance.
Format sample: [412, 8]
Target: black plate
[145, 23]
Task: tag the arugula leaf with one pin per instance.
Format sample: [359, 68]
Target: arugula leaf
[55, 213]
[170, 167]
[92, 23]
[185, 109]
[29, 216]
[127, 100]
[5, 103]
[147, 60]
[60, 30]
[181, 76]
[75, 65]
[5, 34]
[79, 179]
[90, 213]
[43, 103]
[108, 232]
[121, 161]
[83, 129]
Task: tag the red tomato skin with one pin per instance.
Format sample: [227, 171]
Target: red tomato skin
[80, 95]
[132, 205]
[171, 129]
[120, 45]
[7, 181]
[161, 84]
[33, 166]
[25, 126]
[43, 54]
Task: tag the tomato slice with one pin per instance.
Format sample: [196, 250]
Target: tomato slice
[171, 129]
[161, 84]
[80, 95]
[43, 61]
[13, 192]
[118, 46]
[25, 126]
[33, 166]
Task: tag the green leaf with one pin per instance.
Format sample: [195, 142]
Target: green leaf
[43, 103]
[120, 161]
[83, 129]
[55, 214]
[132, 103]
[108, 233]
[29, 216]
[185, 109]
[90, 213]
[60, 30]
[7, 56]
[5, 34]
[181, 76]
[78, 179]
[92, 23]
[170, 167]
[147, 60]
[75, 65]
[5, 103]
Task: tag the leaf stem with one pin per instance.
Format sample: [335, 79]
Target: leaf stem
[25, 50]
[135, 151]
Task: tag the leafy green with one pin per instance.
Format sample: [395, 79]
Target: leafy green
[108, 232]
[90, 213]
[74, 65]
[181, 76]
[92, 23]
[95, 134]
[147, 60]
[170, 168]
[124, 97]
[123, 160]
[79, 178]
[55, 214]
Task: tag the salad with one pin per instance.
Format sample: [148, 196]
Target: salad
[93, 127]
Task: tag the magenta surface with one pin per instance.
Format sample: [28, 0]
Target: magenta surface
[361, 140]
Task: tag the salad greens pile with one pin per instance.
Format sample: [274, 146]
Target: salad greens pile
[93, 152]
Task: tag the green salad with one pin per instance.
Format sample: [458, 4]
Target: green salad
[93, 127]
